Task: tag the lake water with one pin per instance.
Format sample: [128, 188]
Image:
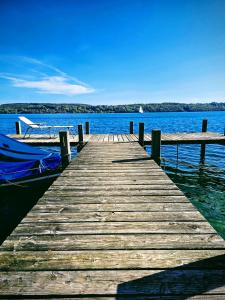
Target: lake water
[203, 184]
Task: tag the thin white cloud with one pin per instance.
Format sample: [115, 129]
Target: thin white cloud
[37, 62]
[53, 85]
[48, 80]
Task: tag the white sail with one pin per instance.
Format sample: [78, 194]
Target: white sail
[141, 110]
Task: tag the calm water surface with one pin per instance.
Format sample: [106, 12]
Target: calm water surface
[203, 184]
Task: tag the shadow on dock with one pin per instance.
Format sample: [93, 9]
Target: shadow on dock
[16, 202]
[132, 160]
[181, 283]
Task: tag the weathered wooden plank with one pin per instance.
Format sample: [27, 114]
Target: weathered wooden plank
[115, 162]
[190, 138]
[115, 138]
[113, 242]
[129, 138]
[111, 176]
[114, 149]
[120, 139]
[109, 173]
[114, 217]
[112, 227]
[111, 138]
[170, 283]
[102, 138]
[95, 146]
[125, 152]
[113, 199]
[150, 192]
[143, 188]
[93, 138]
[109, 182]
[111, 259]
[71, 208]
[119, 167]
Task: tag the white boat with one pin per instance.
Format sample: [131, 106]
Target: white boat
[141, 110]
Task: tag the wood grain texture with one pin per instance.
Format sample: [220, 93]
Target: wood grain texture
[113, 242]
[165, 283]
[48, 199]
[112, 227]
[71, 208]
[110, 259]
[192, 216]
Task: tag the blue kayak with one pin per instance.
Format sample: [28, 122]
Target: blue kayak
[19, 161]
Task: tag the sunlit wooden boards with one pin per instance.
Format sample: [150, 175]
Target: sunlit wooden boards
[189, 138]
[167, 138]
[113, 226]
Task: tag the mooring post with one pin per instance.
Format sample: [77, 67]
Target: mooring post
[131, 127]
[18, 127]
[203, 145]
[65, 147]
[204, 125]
[141, 134]
[87, 127]
[80, 138]
[156, 145]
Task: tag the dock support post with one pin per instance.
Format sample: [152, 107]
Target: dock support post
[141, 134]
[203, 145]
[65, 147]
[18, 127]
[156, 145]
[204, 125]
[80, 138]
[131, 127]
[87, 127]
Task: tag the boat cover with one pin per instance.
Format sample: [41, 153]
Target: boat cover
[18, 160]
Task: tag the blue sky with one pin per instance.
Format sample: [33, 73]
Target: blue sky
[112, 52]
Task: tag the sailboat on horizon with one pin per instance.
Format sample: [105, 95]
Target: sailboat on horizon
[141, 110]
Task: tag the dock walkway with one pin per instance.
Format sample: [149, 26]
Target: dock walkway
[166, 139]
[113, 226]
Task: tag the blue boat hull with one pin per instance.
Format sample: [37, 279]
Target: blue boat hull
[19, 161]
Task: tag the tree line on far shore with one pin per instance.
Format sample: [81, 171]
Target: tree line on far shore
[44, 108]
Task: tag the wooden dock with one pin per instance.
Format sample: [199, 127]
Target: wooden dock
[166, 138]
[113, 226]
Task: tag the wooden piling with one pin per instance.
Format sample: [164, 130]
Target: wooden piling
[156, 145]
[18, 127]
[141, 133]
[131, 127]
[203, 145]
[80, 138]
[65, 147]
[204, 125]
[87, 127]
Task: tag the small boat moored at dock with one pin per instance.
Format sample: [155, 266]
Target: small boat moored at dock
[20, 163]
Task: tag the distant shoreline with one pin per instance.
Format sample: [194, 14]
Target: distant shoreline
[50, 108]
